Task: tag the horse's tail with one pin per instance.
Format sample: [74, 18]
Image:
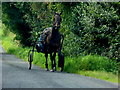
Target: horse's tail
[60, 54]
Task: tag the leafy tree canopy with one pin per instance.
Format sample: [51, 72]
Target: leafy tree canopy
[89, 27]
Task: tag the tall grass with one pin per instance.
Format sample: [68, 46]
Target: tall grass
[90, 63]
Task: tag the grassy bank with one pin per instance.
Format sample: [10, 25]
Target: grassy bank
[90, 65]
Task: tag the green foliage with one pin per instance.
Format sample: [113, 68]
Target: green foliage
[89, 29]
[98, 28]
[13, 19]
[26, 19]
[0, 11]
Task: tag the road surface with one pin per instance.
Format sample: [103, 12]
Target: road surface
[15, 74]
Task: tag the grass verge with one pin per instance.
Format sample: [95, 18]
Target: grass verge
[108, 76]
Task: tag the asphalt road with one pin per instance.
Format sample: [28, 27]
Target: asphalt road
[1, 50]
[15, 74]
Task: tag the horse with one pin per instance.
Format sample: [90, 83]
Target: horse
[52, 41]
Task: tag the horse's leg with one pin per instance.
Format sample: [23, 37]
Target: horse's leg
[54, 55]
[51, 57]
[46, 64]
[61, 60]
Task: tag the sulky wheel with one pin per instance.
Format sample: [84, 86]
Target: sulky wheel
[30, 59]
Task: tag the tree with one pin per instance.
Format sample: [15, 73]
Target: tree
[89, 28]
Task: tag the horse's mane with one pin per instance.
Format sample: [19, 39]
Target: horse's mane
[52, 36]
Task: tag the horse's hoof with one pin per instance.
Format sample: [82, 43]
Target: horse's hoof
[29, 68]
[61, 69]
[47, 69]
[52, 70]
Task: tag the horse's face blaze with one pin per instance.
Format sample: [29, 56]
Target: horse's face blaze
[57, 20]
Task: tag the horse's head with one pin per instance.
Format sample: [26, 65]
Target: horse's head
[57, 20]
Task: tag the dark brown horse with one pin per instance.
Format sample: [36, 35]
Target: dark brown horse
[53, 43]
